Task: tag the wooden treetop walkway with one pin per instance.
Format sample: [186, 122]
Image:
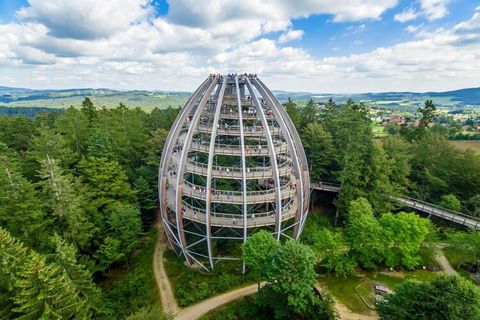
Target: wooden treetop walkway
[431, 209]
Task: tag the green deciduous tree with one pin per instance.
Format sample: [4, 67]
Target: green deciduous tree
[256, 253]
[291, 279]
[333, 252]
[330, 247]
[364, 234]
[450, 201]
[438, 168]
[444, 298]
[403, 234]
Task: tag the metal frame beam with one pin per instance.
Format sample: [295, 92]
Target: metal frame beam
[273, 157]
[211, 153]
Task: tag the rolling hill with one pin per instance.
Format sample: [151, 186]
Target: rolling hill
[22, 97]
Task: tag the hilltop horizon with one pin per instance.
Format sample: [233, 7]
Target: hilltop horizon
[10, 89]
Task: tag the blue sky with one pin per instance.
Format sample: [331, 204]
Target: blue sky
[318, 46]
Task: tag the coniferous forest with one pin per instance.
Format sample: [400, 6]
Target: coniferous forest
[77, 205]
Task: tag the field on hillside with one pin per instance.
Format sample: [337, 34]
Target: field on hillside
[467, 144]
[63, 99]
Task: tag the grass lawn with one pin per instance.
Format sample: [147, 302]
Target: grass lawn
[366, 291]
[456, 257]
[344, 289]
[467, 144]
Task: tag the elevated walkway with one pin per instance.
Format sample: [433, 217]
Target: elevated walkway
[236, 172]
[233, 150]
[249, 131]
[431, 209]
[233, 197]
[218, 219]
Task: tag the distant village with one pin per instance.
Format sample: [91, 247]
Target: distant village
[458, 124]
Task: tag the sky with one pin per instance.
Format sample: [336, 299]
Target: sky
[321, 46]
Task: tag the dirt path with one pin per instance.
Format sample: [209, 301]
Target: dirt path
[199, 309]
[169, 303]
[443, 262]
[346, 314]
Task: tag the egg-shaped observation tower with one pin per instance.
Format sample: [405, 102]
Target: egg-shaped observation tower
[232, 163]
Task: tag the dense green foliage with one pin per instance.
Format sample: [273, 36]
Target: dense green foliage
[191, 286]
[468, 244]
[256, 253]
[288, 269]
[446, 297]
[78, 193]
[388, 241]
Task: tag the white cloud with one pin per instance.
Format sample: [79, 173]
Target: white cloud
[195, 38]
[412, 28]
[290, 35]
[86, 19]
[353, 30]
[434, 9]
[406, 15]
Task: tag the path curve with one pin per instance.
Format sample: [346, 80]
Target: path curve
[444, 263]
[167, 298]
[199, 309]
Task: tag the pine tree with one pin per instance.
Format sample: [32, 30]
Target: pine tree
[80, 277]
[12, 255]
[20, 210]
[32, 288]
[88, 108]
[44, 292]
[106, 182]
[58, 192]
[74, 126]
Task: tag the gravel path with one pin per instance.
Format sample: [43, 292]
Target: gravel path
[169, 303]
[443, 262]
[199, 309]
[346, 314]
